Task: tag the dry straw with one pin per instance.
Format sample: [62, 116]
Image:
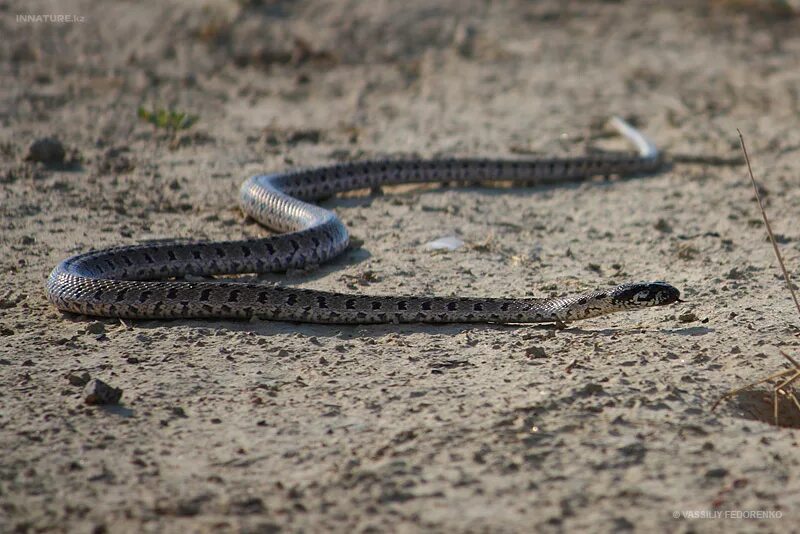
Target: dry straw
[787, 377]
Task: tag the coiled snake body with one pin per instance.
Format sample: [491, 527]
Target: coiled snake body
[123, 281]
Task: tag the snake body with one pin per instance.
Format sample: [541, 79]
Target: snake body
[132, 281]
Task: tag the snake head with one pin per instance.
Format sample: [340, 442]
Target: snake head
[645, 294]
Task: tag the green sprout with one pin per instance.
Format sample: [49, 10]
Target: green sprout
[170, 120]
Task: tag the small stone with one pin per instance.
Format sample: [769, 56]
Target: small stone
[623, 524]
[74, 466]
[688, 317]
[143, 338]
[28, 363]
[177, 411]
[464, 40]
[687, 252]
[735, 274]
[267, 528]
[535, 352]
[283, 353]
[271, 389]
[662, 225]
[300, 136]
[636, 450]
[447, 243]
[717, 472]
[591, 389]
[25, 52]
[78, 379]
[96, 328]
[98, 392]
[47, 150]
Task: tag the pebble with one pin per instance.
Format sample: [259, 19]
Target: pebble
[591, 389]
[96, 328]
[535, 352]
[114, 161]
[464, 39]
[177, 411]
[662, 225]
[47, 150]
[78, 379]
[98, 392]
[735, 274]
[445, 243]
[688, 317]
[717, 472]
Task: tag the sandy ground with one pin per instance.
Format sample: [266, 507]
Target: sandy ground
[266, 427]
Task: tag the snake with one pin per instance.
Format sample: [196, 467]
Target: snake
[148, 281]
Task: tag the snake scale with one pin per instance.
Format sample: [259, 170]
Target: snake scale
[135, 281]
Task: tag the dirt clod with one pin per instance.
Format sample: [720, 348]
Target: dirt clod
[79, 379]
[98, 392]
[47, 150]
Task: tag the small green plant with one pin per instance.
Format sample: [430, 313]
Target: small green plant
[167, 119]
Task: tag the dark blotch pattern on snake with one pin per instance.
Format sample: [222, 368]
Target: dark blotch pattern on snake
[124, 281]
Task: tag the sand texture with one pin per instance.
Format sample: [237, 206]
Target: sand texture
[260, 426]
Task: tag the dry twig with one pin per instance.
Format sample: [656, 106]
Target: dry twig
[769, 227]
[793, 373]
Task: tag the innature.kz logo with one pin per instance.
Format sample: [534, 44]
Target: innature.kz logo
[54, 19]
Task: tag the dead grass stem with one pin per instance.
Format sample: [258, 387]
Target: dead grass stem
[785, 387]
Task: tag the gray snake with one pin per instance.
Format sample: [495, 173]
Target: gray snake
[124, 281]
